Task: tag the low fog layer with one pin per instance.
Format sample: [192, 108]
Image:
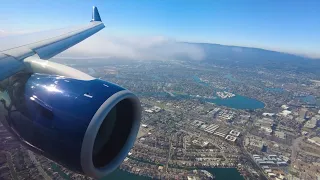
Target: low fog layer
[139, 48]
[130, 47]
[100, 45]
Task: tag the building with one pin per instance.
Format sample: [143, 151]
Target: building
[191, 178]
[312, 123]
[285, 113]
[266, 122]
[271, 160]
[267, 170]
[215, 111]
[272, 175]
[284, 107]
[315, 140]
[268, 114]
[267, 129]
[264, 148]
[156, 109]
[300, 120]
[280, 134]
[257, 143]
[255, 156]
[245, 116]
[203, 126]
[303, 112]
[234, 133]
[223, 130]
[153, 109]
[197, 123]
[211, 128]
[231, 138]
[220, 134]
[281, 163]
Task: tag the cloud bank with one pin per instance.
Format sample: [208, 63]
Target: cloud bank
[137, 48]
[130, 47]
[100, 45]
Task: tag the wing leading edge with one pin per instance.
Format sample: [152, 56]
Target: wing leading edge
[10, 59]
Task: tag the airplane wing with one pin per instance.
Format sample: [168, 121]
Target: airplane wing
[11, 59]
[85, 124]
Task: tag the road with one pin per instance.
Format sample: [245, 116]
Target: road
[36, 162]
[164, 89]
[295, 148]
[169, 154]
[12, 170]
[249, 155]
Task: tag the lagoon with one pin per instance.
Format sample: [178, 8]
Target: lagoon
[238, 102]
[219, 173]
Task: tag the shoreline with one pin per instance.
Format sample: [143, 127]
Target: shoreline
[210, 169]
[214, 174]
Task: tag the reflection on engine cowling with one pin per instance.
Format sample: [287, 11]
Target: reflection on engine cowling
[51, 115]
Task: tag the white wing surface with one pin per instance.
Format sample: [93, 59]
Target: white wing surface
[11, 59]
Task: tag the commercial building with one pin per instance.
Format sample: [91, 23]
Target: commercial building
[197, 123]
[264, 122]
[285, 113]
[211, 128]
[271, 160]
[268, 114]
[231, 138]
[153, 109]
[234, 133]
[220, 134]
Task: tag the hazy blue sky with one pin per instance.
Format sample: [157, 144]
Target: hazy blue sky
[284, 25]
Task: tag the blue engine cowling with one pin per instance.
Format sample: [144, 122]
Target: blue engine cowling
[87, 126]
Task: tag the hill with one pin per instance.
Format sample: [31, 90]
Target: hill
[255, 57]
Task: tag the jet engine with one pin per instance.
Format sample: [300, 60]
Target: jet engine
[88, 126]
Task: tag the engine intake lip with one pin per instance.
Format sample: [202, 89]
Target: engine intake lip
[91, 133]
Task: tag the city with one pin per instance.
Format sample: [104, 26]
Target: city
[139, 90]
[267, 127]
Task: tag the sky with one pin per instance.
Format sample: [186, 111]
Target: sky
[283, 25]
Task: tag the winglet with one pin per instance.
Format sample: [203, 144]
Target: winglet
[95, 14]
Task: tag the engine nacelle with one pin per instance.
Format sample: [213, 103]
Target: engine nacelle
[87, 126]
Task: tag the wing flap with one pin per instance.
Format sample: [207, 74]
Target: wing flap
[19, 53]
[9, 65]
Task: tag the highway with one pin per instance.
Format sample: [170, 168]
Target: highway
[169, 153]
